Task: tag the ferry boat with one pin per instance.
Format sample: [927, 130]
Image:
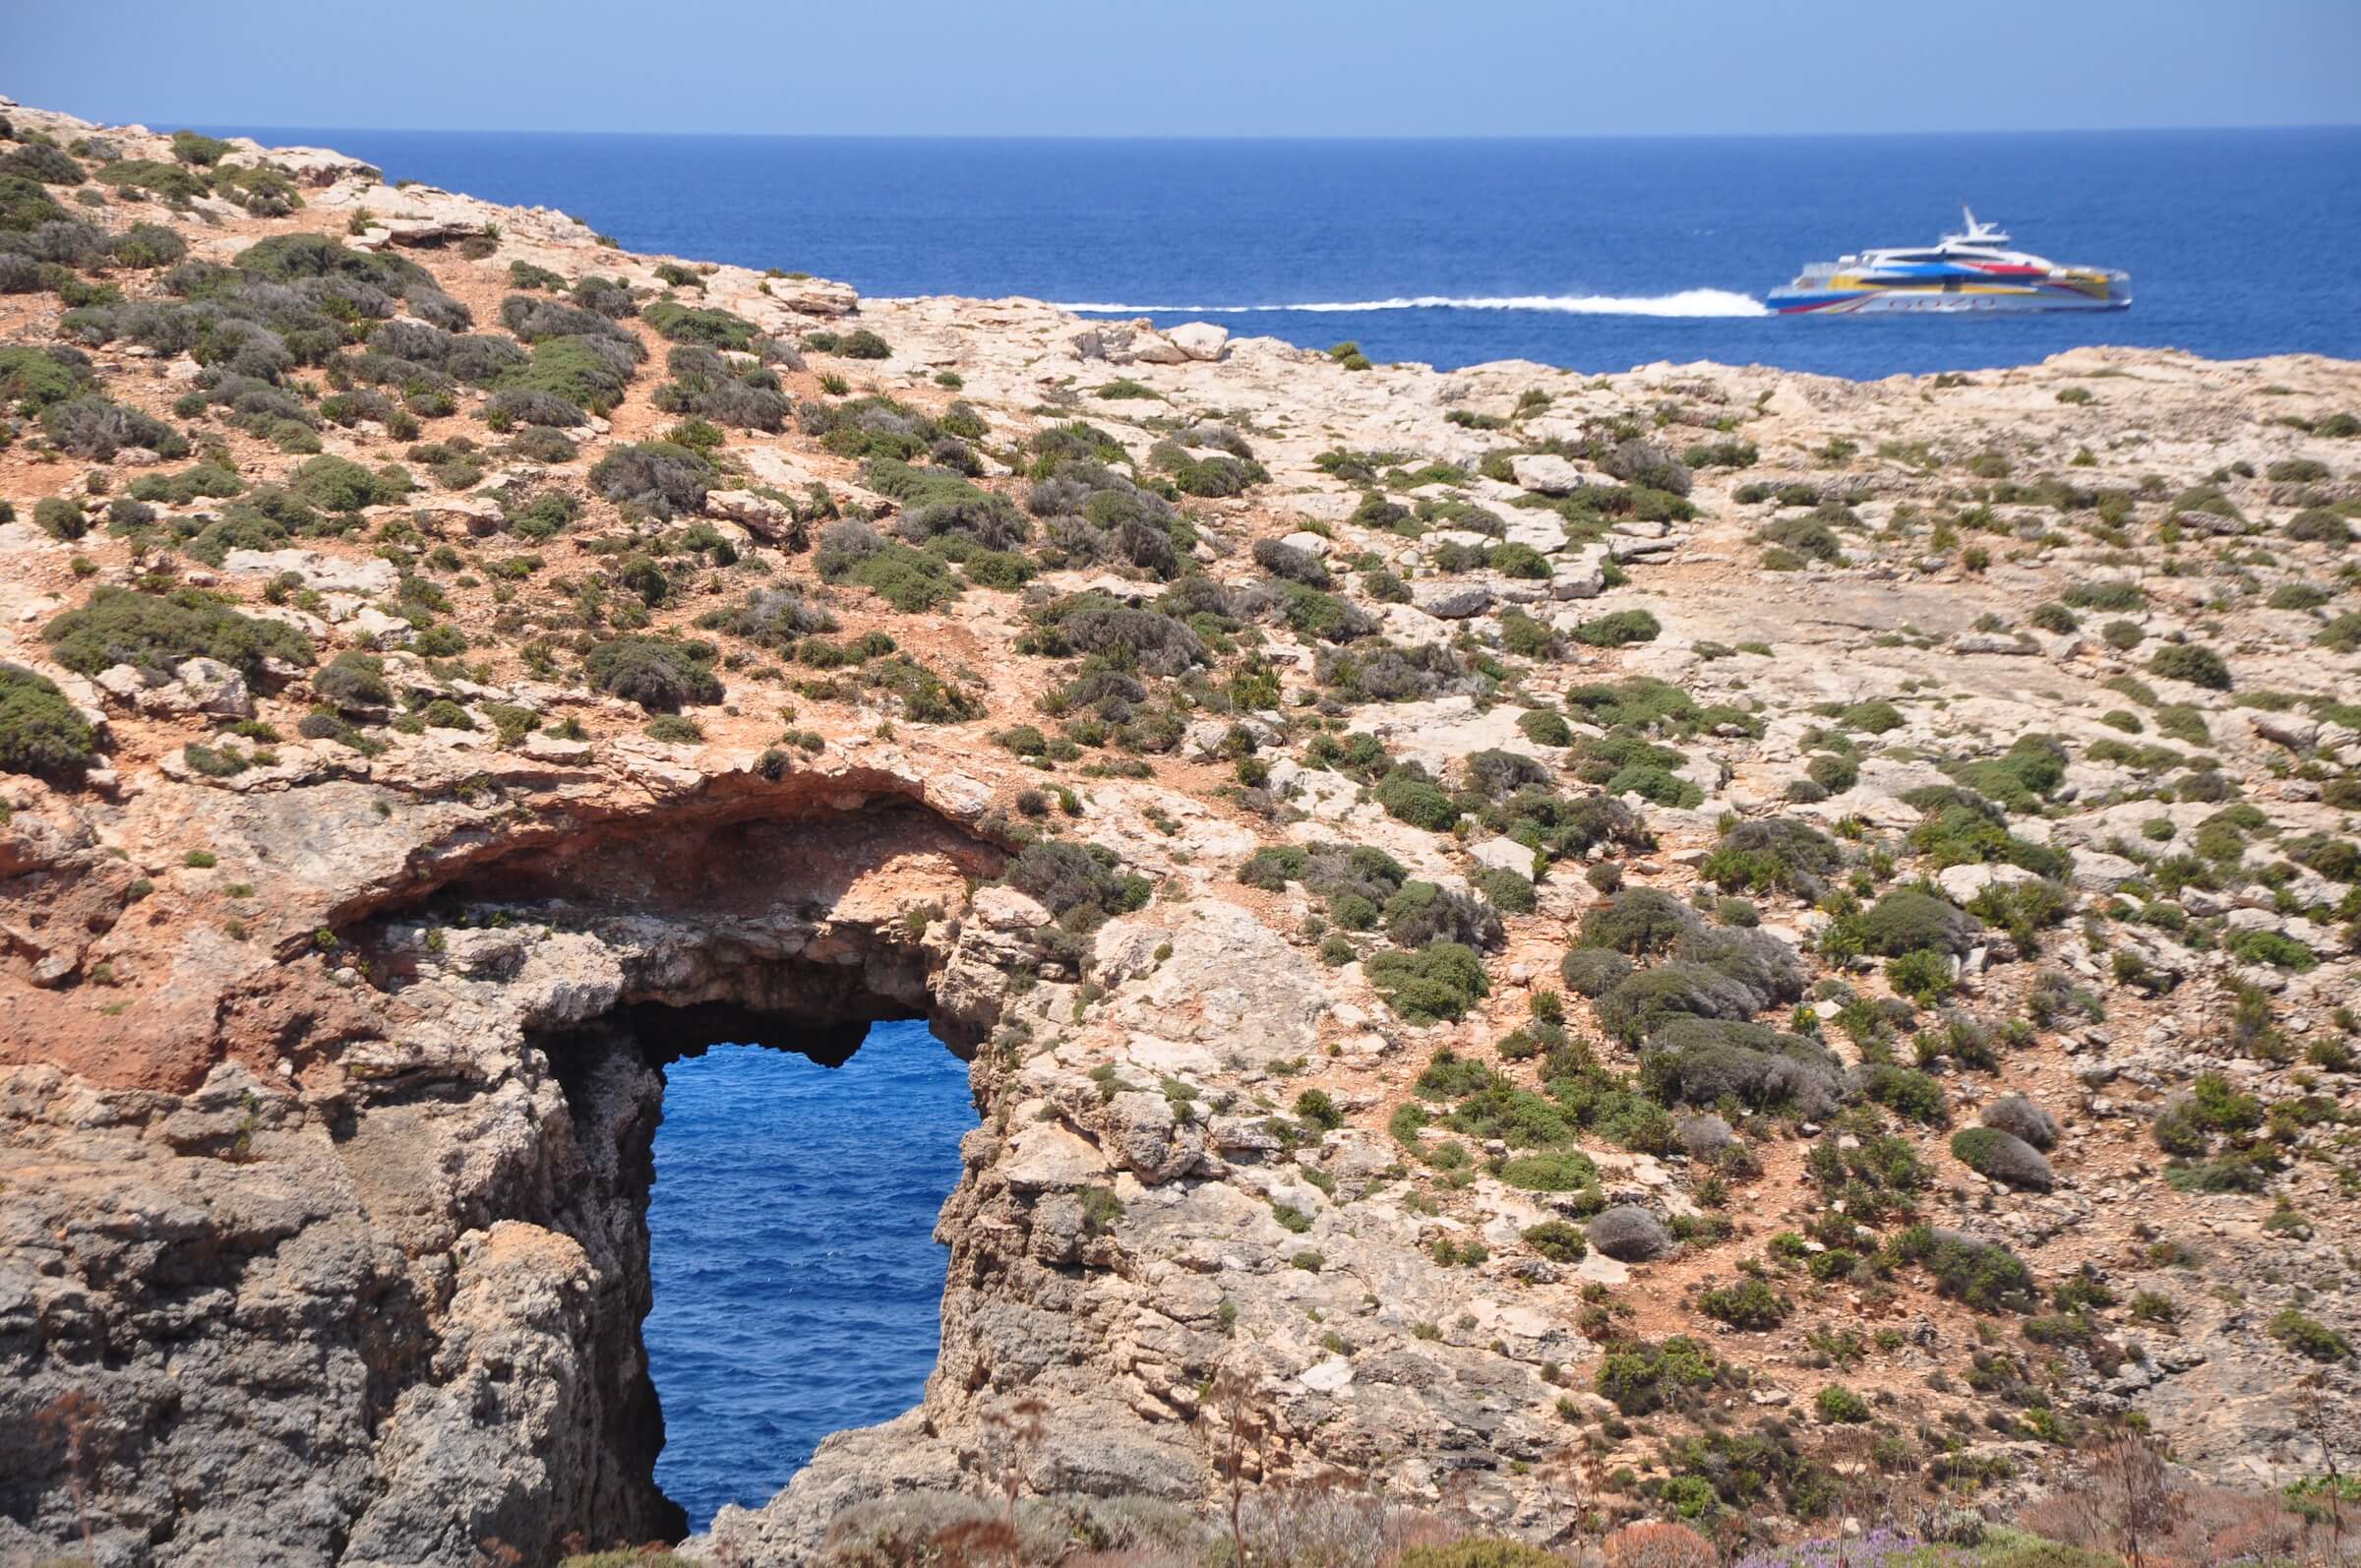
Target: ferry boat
[1968, 273]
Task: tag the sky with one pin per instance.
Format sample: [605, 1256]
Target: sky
[1205, 68]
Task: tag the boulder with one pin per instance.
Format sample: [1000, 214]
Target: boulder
[1548, 473]
[767, 519]
[1200, 340]
[1452, 600]
[1579, 576]
[208, 686]
[365, 575]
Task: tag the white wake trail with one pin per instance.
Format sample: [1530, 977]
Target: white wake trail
[1688, 302]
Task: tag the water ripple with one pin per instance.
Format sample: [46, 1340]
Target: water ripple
[798, 1287]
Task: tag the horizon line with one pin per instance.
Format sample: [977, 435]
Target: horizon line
[251, 129]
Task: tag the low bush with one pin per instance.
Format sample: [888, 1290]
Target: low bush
[1558, 1240]
[1639, 1378]
[585, 373]
[1910, 920]
[338, 484]
[1412, 797]
[1776, 854]
[660, 674]
[2021, 1118]
[354, 679]
[122, 626]
[2191, 662]
[2308, 1336]
[707, 328]
[1839, 1406]
[660, 475]
[1551, 1171]
[1638, 920]
[1422, 912]
[1593, 971]
[1703, 1062]
[1478, 1551]
[1911, 1093]
[2002, 1157]
[1984, 1274]
[1617, 629]
[96, 427]
[1081, 885]
[859, 344]
[1628, 1233]
[40, 732]
[1749, 1303]
[1283, 559]
[1437, 983]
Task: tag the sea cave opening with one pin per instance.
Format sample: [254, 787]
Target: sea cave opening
[797, 1286]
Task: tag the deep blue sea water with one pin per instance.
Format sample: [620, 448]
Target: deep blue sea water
[798, 1287]
[1625, 251]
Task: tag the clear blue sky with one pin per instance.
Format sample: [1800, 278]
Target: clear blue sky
[1199, 68]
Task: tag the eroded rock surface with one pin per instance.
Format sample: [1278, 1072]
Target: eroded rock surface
[1269, 773]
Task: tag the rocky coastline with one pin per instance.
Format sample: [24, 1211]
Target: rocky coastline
[1567, 949]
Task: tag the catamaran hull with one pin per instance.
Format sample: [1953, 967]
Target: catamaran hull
[1901, 301]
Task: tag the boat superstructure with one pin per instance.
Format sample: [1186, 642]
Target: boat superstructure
[1971, 273]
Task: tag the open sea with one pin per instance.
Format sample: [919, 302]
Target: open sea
[798, 1287]
[1594, 253]
[796, 1282]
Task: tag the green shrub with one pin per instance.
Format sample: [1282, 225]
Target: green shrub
[2271, 948]
[1911, 1093]
[1412, 798]
[660, 475]
[1552, 1170]
[338, 484]
[1910, 920]
[1080, 883]
[165, 182]
[96, 427]
[662, 675]
[1776, 854]
[1441, 981]
[1643, 1003]
[1839, 1406]
[2308, 1336]
[859, 344]
[1617, 629]
[2192, 663]
[2003, 1157]
[40, 732]
[577, 373]
[37, 377]
[354, 679]
[122, 626]
[1704, 1061]
[60, 519]
[710, 329]
[1638, 920]
[1593, 971]
[1505, 890]
[1748, 1304]
[1558, 1240]
[1924, 976]
[1984, 1274]
[1639, 1378]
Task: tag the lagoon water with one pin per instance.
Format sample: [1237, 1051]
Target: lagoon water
[798, 1287]
[1596, 254]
